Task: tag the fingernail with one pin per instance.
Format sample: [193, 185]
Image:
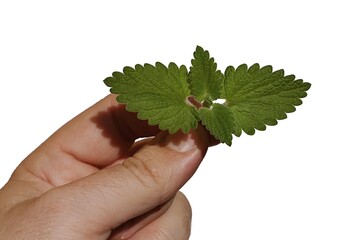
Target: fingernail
[181, 142]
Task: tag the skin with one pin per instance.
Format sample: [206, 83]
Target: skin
[93, 179]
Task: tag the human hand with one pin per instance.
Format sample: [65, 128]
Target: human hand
[92, 180]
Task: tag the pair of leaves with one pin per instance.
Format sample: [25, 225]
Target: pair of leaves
[174, 99]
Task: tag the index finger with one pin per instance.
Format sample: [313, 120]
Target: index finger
[101, 134]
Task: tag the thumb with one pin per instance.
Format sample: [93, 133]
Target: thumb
[105, 200]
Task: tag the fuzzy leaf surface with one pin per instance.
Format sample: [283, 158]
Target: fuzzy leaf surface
[219, 121]
[258, 96]
[157, 93]
[205, 80]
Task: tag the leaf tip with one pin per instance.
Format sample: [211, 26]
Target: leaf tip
[199, 48]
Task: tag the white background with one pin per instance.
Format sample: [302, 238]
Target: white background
[298, 180]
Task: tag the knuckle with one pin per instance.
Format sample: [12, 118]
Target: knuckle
[53, 204]
[147, 171]
[185, 204]
[187, 214]
[159, 234]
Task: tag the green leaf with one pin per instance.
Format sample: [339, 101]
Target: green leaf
[174, 99]
[258, 96]
[205, 80]
[157, 93]
[219, 121]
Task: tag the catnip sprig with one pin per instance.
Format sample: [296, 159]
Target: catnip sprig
[175, 99]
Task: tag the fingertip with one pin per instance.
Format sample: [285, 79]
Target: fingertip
[184, 142]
